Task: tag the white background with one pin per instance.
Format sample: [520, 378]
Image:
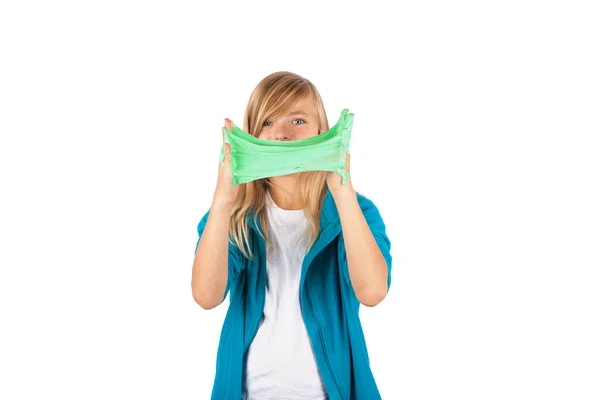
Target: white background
[476, 134]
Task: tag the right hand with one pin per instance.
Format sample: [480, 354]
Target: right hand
[226, 191]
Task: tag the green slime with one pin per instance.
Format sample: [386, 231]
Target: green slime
[252, 158]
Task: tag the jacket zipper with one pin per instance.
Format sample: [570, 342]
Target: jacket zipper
[322, 340]
[256, 326]
[259, 314]
[255, 331]
[257, 323]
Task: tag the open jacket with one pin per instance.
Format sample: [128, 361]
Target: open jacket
[328, 302]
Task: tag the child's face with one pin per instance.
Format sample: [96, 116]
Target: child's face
[300, 123]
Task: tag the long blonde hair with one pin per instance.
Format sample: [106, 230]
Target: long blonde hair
[273, 97]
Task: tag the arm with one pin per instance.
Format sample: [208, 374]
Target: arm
[216, 260]
[214, 253]
[366, 248]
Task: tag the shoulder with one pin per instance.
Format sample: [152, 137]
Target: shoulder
[363, 199]
[365, 202]
[370, 211]
[330, 208]
[203, 220]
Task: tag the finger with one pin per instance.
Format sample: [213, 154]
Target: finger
[227, 158]
[347, 168]
[228, 123]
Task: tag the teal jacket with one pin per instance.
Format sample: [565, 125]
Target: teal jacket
[328, 302]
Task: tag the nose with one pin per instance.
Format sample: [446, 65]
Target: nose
[281, 133]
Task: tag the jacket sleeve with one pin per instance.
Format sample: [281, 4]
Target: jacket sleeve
[377, 226]
[235, 259]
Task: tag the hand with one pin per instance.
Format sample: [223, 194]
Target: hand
[226, 191]
[334, 180]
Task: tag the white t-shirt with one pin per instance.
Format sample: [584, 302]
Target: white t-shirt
[281, 363]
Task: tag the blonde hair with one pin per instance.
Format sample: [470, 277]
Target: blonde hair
[273, 97]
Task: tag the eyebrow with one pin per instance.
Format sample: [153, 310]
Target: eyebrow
[298, 113]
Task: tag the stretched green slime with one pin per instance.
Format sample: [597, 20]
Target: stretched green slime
[252, 158]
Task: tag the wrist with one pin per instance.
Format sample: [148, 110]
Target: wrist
[344, 193]
[221, 204]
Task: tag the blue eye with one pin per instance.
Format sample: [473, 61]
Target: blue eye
[269, 123]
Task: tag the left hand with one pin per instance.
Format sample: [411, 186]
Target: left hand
[334, 180]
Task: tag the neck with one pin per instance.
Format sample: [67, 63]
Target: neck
[285, 192]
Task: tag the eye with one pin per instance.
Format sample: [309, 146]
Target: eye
[298, 119]
[267, 122]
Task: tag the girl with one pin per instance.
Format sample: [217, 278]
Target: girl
[298, 254]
